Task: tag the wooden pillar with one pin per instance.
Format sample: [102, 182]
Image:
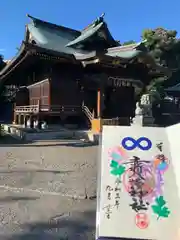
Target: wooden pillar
[24, 120]
[99, 103]
[14, 113]
[38, 103]
[100, 94]
[31, 121]
[18, 119]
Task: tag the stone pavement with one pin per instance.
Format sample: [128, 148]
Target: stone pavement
[39, 217]
[60, 167]
[42, 187]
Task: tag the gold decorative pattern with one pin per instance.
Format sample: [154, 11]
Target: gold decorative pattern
[46, 56]
[116, 62]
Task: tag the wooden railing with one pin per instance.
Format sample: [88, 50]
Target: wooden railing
[43, 108]
[66, 108]
[70, 108]
[113, 121]
[27, 109]
[117, 121]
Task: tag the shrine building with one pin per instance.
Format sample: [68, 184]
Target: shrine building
[64, 75]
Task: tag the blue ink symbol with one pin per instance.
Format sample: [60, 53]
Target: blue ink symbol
[136, 143]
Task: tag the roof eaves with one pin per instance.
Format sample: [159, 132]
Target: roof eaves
[38, 50]
[174, 88]
[14, 60]
[132, 51]
[110, 37]
[124, 48]
[130, 54]
[3, 77]
[85, 34]
[87, 56]
[27, 34]
[52, 25]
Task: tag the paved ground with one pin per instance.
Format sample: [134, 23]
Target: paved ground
[43, 187]
[30, 216]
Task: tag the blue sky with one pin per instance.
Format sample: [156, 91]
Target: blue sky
[126, 19]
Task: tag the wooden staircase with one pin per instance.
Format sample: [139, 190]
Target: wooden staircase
[87, 112]
[97, 123]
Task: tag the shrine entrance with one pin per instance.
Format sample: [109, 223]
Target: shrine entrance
[118, 99]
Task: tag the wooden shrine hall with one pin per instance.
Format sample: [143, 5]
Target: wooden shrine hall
[61, 73]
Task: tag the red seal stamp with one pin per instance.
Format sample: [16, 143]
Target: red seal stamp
[131, 180]
[141, 220]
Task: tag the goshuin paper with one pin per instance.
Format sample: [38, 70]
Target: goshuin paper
[138, 187]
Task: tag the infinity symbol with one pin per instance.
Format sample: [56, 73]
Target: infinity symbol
[136, 143]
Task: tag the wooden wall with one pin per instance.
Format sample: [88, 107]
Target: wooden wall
[39, 93]
[119, 102]
[65, 89]
[68, 85]
[22, 97]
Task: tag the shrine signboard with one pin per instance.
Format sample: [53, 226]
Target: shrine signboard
[138, 187]
[123, 82]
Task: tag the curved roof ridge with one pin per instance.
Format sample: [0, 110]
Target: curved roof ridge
[94, 23]
[52, 25]
[128, 47]
[92, 29]
[85, 34]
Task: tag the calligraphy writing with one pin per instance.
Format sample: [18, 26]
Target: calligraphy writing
[117, 192]
[159, 146]
[109, 189]
[108, 212]
[142, 179]
[138, 204]
[137, 181]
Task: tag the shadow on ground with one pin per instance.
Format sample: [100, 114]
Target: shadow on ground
[80, 226]
[17, 198]
[8, 141]
[36, 170]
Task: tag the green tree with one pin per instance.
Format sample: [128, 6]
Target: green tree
[164, 47]
[162, 44]
[2, 63]
[128, 42]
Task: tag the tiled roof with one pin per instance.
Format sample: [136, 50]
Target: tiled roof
[85, 34]
[127, 51]
[53, 38]
[57, 39]
[174, 88]
[97, 31]
[62, 40]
